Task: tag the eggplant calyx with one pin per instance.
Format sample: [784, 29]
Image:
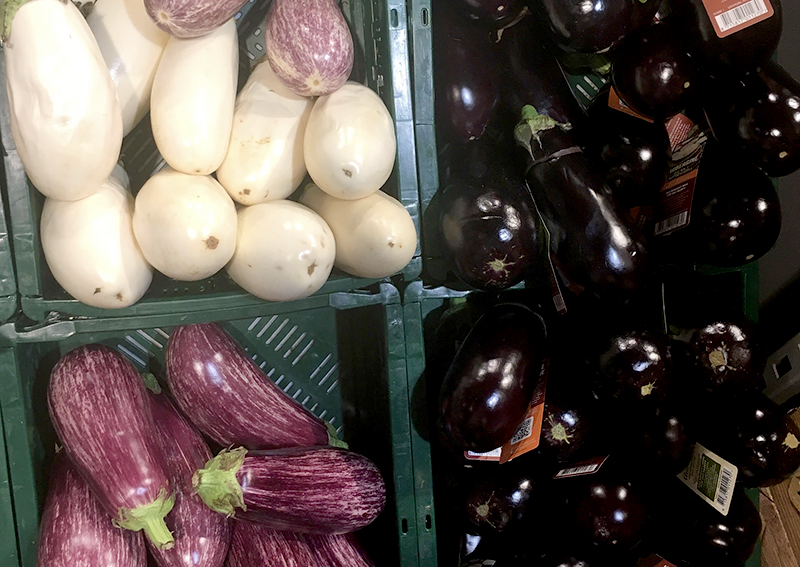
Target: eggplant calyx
[151, 383]
[791, 441]
[10, 8]
[532, 125]
[217, 485]
[333, 439]
[150, 518]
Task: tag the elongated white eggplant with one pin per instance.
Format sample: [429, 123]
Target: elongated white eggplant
[65, 116]
[265, 155]
[191, 107]
[131, 45]
[90, 248]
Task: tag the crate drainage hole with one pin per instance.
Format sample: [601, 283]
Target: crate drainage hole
[783, 367]
[404, 526]
[425, 17]
[428, 522]
[393, 18]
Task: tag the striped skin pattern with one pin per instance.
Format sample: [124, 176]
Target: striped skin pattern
[229, 398]
[191, 18]
[201, 535]
[98, 405]
[76, 532]
[254, 545]
[323, 490]
[309, 45]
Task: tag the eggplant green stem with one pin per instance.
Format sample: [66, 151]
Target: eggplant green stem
[531, 126]
[150, 518]
[333, 439]
[151, 382]
[217, 485]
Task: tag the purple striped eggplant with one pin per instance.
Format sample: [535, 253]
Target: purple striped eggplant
[255, 545]
[191, 18]
[308, 45]
[201, 535]
[76, 532]
[229, 398]
[322, 490]
[99, 408]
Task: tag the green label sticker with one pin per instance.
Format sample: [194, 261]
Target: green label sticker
[711, 477]
[708, 477]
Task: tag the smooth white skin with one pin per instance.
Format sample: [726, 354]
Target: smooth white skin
[375, 235]
[90, 248]
[350, 142]
[65, 116]
[265, 155]
[185, 224]
[284, 251]
[191, 107]
[131, 45]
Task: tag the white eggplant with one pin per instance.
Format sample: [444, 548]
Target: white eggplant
[90, 248]
[65, 116]
[265, 155]
[284, 251]
[131, 45]
[375, 235]
[350, 144]
[191, 107]
[185, 224]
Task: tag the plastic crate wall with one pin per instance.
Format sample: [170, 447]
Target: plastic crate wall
[343, 359]
[379, 30]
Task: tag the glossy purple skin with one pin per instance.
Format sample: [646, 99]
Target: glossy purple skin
[256, 545]
[654, 73]
[728, 354]
[100, 411]
[497, 13]
[318, 490]
[489, 384]
[191, 18]
[585, 27]
[759, 118]
[201, 535]
[76, 532]
[229, 398]
[308, 45]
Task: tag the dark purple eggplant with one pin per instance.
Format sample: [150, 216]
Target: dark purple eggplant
[201, 535]
[736, 54]
[736, 212]
[696, 535]
[229, 398]
[338, 550]
[489, 384]
[634, 153]
[749, 430]
[500, 500]
[757, 117]
[654, 73]
[322, 490]
[75, 530]
[728, 354]
[100, 411]
[465, 79]
[634, 367]
[590, 236]
[496, 13]
[490, 226]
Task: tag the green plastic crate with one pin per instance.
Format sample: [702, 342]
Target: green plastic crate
[8, 281]
[379, 29]
[342, 356]
[8, 534]
[683, 291]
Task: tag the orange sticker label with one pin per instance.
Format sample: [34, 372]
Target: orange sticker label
[618, 104]
[654, 561]
[678, 128]
[529, 432]
[731, 16]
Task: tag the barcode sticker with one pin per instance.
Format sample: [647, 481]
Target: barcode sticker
[583, 468]
[730, 16]
[711, 477]
[493, 455]
[523, 431]
[673, 223]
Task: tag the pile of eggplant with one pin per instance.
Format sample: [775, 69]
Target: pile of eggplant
[627, 405]
[135, 471]
[535, 185]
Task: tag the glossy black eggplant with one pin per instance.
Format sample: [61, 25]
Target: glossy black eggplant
[736, 54]
[728, 354]
[465, 78]
[634, 367]
[489, 385]
[496, 13]
[654, 73]
[759, 117]
[634, 153]
[590, 236]
[592, 27]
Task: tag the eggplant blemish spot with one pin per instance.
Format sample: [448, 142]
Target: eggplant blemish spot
[482, 510]
[311, 268]
[559, 433]
[119, 297]
[717, 357]
[391, 244]
[163, 16]
[500, 265]
[212, 242]
[783, 155]
[347, 172]
[647, 389]
[246, 191]
[791, 441]
[96, 291]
